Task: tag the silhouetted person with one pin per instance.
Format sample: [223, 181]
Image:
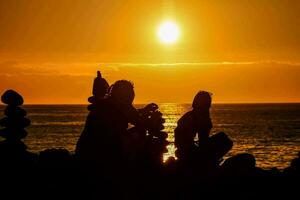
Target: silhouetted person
[106, 124]
[194, 123]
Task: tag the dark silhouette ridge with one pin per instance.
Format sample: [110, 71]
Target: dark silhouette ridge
[114, 161]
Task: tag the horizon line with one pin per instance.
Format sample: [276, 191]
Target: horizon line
[217, 103]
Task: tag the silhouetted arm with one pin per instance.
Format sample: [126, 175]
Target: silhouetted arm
[133, 116]
[148, 108]
[204, 126]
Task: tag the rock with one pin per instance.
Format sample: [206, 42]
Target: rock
[219, 145]
[91, 107]
[13, 98]
[9, 133]
[295, 163]
[241, 164]
[12, 111]
[57, 158]
[14, 122]
[13, 149]
[163, 135]
[92, 99]
[100, 86]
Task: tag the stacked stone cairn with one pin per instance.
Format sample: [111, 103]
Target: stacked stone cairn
[12, 129]
[156, 138]
[100, 88]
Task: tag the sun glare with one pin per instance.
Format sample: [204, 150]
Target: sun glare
[168, 32]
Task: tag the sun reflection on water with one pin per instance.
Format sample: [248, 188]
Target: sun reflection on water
[251, 135]
[270, 132]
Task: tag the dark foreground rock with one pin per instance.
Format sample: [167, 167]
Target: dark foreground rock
[57, 174]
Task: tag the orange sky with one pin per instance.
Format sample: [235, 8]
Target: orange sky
[241, 51]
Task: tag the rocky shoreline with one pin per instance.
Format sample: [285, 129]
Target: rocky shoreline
[59, 173]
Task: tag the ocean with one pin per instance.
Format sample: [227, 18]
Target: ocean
[271, 132]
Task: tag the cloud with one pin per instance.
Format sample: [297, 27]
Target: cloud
[120, 64]
[13, 68]
[231, 81]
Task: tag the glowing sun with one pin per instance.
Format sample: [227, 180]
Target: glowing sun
[168, 32]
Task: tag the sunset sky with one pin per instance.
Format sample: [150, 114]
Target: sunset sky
[241, 51]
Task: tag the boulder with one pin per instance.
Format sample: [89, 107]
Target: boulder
[218, 145]
[240, 164]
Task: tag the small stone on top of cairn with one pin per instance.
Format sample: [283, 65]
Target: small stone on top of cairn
[157, 138]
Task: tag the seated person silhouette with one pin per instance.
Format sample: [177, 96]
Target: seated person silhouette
[194, 123]
[197, 122]
[100, 141]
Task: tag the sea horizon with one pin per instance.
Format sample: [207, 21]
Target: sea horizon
[83, 104]
[269, 131]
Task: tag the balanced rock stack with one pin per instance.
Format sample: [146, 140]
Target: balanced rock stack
[157, 139]
[100, 88]
[15, 120]
[12, 150]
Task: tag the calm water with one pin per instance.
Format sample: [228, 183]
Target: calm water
[269, 131]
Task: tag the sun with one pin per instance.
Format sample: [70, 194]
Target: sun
[168, 32]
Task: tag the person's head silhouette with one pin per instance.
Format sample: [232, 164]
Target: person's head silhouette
[202, 100]
[122, 91]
